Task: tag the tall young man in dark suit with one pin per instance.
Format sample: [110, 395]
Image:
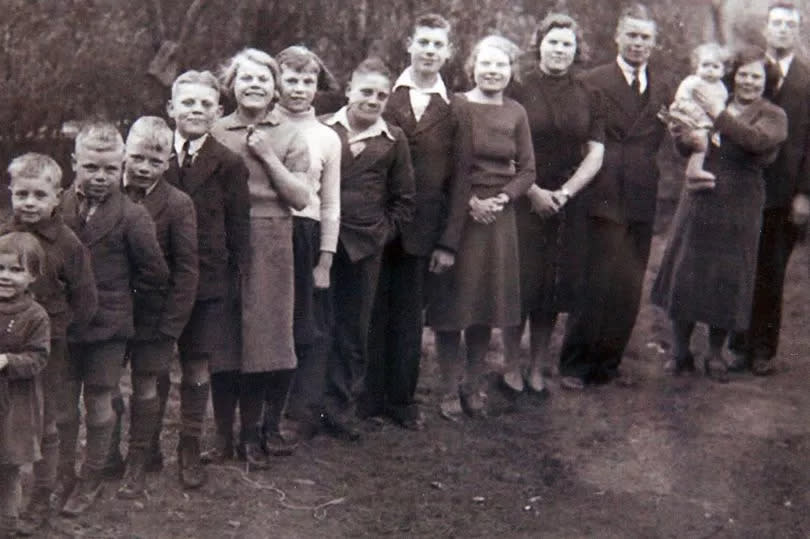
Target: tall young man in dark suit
[787, 186]
[420, 106]
[620, 204]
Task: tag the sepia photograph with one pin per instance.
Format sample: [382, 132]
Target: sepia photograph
[404, 268]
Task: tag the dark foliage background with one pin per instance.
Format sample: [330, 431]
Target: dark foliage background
[68, 59]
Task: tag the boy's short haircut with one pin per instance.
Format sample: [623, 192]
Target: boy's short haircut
[154, 131]
[301, 59]
[373, 65]
[231, 67]
[432, 20]
[27, 247]
[36, 165]
[784, 4]
[722, 53]
[203, 78]
[101, 136]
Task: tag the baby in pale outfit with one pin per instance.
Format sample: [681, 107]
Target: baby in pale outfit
[709, 61]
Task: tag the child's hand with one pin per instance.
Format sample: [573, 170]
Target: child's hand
[484, 210]
[3, 361]
[259, 143]
[321, 277]
[543, 202]
[712, 108]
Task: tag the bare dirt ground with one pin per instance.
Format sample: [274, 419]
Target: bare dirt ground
[669, 457]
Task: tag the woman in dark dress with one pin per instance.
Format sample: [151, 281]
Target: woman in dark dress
[567, 135]
[482, 288]
[707, 273]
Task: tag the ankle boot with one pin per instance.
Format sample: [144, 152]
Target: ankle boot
[192, 474]
[134, 483]
[251, 448]
[36, 513]
[114, 466]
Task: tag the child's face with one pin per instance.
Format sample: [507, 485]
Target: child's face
[297, 89]
[368, 93]
[143, 164]
[710, 68]
[97, 171]
[14, 277]
[253, 86]
[429, 49]
[492, 70]
[194, 109]
[33, 198]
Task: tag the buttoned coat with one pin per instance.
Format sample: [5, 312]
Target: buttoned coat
[67, 287]
[626, 186]
[126, 260]
[176, 228]
[376, 192]
[431, 143]
[217, 184]
[25, 339]
[790, 173]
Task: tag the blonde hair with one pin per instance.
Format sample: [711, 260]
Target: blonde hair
[101, 136]
[231, 67]
[203, 78]
[154, 131]
[504, 45]
[36, 165]
[722, 53]
[27, 248]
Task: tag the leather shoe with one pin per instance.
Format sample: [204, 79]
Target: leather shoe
[189, 468]
[740, 363]
[82, 497]
[572, 383]
[340, 428]
[762, 367]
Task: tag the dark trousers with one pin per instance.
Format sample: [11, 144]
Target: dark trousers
[312, 325]
[600, 326]
[395, 339]
[354, 284]
[776, 242]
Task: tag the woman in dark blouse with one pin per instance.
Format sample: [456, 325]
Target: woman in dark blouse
[707, 273]
[496, 165]
[567, 135]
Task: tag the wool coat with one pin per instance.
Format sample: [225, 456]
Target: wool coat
[25, 340]
[126, 259]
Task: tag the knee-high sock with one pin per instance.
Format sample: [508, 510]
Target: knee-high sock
[97, 449]
[10, 495]
[143, 423]
[251, 402]
[164, 385]
[45, 469]
[224, 397]
[193, 404]
[276, 391]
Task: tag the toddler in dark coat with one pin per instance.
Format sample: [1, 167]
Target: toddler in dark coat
[24, 346]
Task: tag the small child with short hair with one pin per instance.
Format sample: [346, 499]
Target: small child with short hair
[709, 63]
[159, 317]
[127, 261]
[24, 348]
[65, 288]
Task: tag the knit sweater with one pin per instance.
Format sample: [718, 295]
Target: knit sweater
[323, 174]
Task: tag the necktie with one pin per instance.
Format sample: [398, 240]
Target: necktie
[187, 157]
[781, 78]
[636, 83]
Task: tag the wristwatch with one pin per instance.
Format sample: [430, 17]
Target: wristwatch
[566, 193]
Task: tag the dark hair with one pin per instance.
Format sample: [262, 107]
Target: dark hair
[559, 20]
[375, 65]
[636, 10]
[746, 54]
[432, 20]
[783, 4]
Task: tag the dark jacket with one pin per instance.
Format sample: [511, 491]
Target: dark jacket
[67, 287]
[217, 184]
[126, 260]
[376, 192]
[431, 142]
[626, 186]
[166, 313]
[790, 173]
[25, 340]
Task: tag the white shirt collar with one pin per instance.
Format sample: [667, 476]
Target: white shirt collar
[406, 80]
[193, 146]
[376, 129]
[148, 189]
[629, 71]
